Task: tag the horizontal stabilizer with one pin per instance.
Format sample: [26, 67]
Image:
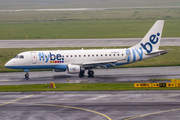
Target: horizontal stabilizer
[159, 51]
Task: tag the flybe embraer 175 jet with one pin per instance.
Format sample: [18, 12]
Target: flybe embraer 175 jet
[77, 61]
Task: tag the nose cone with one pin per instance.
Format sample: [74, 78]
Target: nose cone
[8, 64]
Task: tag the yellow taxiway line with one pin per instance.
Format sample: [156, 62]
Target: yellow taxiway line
[54, 106]
[68, 107]
[152, 114]
[4, 80]
[15, 100]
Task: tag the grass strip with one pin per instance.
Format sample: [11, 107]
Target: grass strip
[77, 87]
[85, 29]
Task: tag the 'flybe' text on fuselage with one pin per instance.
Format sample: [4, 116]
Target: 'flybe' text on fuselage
[52, 57]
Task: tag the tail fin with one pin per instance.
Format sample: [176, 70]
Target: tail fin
[152, 39]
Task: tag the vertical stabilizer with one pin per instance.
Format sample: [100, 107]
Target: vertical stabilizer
[152, 39]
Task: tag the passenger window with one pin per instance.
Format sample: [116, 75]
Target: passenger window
[122, 54]
[71, 55]
[97, 55]
[75, 55]
[118, 54]
[88, 55]
[66, 55]
[93, 55]
[109, 54]
[84, 55]
[21, 56]
[101, 54]
[79, 55]
[114, 54]
[105, 54]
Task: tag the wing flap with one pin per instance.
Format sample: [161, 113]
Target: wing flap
[98, 63]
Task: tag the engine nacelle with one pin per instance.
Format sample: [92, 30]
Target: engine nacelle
[73, 69]
[58, 70]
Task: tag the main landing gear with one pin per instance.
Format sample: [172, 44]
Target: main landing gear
[90, 73]
[81, 74]
[27, 75]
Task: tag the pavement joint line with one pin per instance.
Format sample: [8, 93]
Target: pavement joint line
[172, 110]
[68, 107]
[16, 100]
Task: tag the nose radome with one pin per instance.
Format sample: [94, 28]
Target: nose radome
[6, 64]
[9, 63]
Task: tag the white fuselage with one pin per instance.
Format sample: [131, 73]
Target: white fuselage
[51, 59]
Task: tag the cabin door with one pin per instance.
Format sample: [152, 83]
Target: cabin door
[33, 57]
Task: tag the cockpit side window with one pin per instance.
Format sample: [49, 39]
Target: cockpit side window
[21, 56]
[17, 56]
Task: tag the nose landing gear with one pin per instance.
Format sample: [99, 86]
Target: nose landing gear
[27, 75]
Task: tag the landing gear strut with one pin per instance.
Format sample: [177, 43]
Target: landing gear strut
[90, 73]
[81, 74]
[26, 75]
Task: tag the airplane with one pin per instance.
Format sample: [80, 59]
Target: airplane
[77, 61]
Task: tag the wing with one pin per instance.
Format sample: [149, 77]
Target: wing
[98, 64]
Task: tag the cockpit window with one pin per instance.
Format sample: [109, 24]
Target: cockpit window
[21, 56]
[17, 56]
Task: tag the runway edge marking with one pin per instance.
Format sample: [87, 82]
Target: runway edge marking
[68, 107]
[152, 114]
[16, 100]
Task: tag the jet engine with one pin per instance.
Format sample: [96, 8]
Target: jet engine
[60, 68]
[73, 69]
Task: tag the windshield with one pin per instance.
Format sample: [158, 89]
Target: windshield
[17, 56]
[21, 56]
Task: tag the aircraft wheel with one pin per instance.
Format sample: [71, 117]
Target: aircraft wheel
[90, 73]
[26, 75]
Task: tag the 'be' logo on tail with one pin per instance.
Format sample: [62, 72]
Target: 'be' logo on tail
[153, 40]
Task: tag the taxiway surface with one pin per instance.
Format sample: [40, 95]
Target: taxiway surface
[119, 75]
[90, 105]
[82, 42]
